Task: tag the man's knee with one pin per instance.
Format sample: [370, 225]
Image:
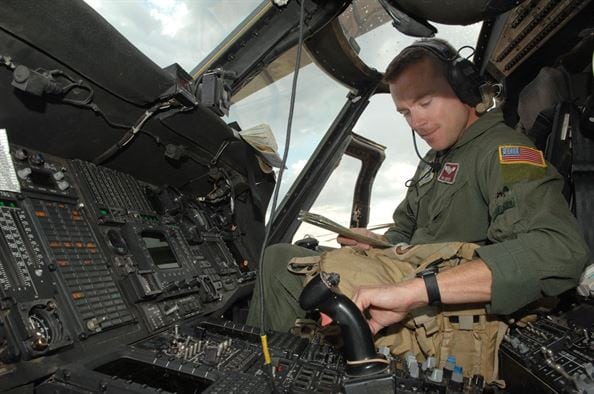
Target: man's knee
[275, 259]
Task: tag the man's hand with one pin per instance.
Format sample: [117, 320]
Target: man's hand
[343, 241]
[389, 304]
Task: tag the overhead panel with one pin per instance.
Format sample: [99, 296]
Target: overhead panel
[527, 28]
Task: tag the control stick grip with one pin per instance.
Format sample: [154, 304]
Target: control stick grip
[321, 293]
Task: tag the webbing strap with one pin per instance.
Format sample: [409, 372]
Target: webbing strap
[583, 181]
[584, 205]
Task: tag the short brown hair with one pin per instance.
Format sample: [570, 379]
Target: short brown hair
[416, 53]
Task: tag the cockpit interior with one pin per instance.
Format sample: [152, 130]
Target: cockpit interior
[136, 198]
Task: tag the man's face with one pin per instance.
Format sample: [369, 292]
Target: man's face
[430, 106]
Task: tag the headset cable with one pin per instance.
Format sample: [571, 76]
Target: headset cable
[268, 367]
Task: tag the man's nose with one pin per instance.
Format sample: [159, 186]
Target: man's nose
[417, 120]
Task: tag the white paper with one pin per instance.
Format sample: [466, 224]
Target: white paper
[262, 139]
[8, 177]
[327, 224]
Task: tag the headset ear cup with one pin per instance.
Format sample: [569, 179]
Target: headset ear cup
[465, 80]
[463, 76]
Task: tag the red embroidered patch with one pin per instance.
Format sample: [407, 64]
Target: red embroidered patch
[448, 173]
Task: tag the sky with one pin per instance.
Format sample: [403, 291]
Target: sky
[185, 31]
[168, 31]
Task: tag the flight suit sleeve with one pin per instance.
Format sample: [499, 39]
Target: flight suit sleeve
[537, 249]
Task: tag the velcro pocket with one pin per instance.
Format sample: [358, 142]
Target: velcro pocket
[447, 193]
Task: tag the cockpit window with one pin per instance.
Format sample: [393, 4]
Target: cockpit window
[369, 29]
[175, 31]
[319, 99]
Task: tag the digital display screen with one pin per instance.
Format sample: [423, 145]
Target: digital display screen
[159, 249]
[42, 178]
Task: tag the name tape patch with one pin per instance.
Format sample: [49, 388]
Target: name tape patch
[517, 154]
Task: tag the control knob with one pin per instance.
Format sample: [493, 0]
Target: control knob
[63, 185]
[37, 159]
[24, 173]
[21, 154]
[58, 175]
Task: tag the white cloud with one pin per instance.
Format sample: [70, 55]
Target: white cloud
[175, 31]
[172, 15]
[298, 166]
[393, 178]
[95, 4]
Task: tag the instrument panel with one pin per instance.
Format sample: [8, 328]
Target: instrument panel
[90, 258]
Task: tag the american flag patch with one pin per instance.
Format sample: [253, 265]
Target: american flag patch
[516, 154]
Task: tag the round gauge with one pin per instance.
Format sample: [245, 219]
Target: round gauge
[46, 325]
[42, 328]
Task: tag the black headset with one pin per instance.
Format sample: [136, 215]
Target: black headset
[463, 76]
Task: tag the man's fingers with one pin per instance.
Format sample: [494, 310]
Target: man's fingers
[374, 326]
[361, 299]
[361, 230]
[351, 242]
[346, 241]
[357, 300]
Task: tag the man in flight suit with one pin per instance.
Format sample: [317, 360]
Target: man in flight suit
[481, 182]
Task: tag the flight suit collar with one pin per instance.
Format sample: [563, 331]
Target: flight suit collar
[484, 123]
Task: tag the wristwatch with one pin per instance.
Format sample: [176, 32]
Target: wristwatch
[430, 278]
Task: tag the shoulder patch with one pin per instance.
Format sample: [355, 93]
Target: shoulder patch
[518, 154]
[520, 163]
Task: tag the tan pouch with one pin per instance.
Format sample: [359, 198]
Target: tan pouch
[464, 331]
[470, 335]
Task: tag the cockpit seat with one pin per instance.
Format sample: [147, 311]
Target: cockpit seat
[551, 111]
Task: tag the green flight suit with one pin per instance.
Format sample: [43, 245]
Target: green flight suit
[511, 205]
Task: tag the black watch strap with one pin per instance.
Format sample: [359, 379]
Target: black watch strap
[430, 278]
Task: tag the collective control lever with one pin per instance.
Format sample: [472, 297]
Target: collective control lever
[322, 294]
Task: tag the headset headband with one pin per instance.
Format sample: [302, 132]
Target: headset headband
[438, 48]
[463, 76]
